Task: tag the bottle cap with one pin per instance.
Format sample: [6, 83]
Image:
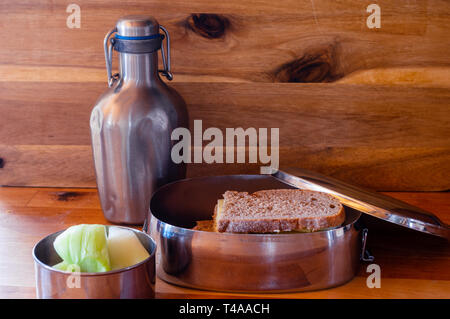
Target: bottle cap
[137, 26]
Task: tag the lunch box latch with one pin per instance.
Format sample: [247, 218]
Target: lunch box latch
[365, 254]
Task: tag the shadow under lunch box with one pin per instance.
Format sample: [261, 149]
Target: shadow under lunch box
[268, 262]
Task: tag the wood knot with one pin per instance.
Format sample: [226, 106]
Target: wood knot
[317, 67]
[2, 162]
[66, 196]
[210, 26]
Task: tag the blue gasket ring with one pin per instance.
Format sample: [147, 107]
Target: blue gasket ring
[148, 37]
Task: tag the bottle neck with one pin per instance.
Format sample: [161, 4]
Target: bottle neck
[140, 69]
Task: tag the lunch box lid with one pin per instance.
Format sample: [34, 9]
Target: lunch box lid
[366, 201]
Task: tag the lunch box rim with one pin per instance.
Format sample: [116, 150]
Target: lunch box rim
[180, 229]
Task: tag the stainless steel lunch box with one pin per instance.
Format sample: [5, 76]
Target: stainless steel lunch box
[267, 262]
[137, 281]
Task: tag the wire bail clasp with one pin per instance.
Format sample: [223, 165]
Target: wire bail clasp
[108, 48]
[365, 254]
[109, 43]
[166, 62]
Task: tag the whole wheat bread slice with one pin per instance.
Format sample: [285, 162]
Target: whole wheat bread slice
[278, 210]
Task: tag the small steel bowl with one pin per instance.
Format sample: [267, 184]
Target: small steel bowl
[137, 281]
[245, 262]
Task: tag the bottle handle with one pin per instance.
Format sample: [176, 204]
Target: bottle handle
[166, 62]
[108, 48]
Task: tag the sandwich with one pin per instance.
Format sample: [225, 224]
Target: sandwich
[275, 211]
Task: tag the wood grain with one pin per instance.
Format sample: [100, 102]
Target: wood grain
[49, 165]
[314, 41]
[379, 137]
[413, 265]
[307, 114]
[390, 169]
[366, 106]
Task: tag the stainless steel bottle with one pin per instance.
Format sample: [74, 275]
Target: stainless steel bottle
[132, 121]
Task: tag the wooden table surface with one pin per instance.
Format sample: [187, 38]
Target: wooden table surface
[413, 265]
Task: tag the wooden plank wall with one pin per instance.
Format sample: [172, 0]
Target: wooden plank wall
[369, 106]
